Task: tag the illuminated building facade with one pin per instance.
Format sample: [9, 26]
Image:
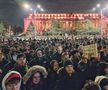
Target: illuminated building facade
[43, 22]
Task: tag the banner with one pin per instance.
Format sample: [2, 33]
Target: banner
[90, 51]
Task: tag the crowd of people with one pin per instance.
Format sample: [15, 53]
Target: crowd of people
[53, 64]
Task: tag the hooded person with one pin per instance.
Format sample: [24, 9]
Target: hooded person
[102, 81]
[90, 85]
[35, 78]
[11, 81]
[67, 78]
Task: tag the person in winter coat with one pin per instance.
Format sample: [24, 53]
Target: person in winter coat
[92, 68]
[21, 65]
[82, 68]
[76, 58]
[35, 78]
[67, 79]
[103, 69]
[3, 63]
[11, 81]
[90, 85]
[52, 75]
[102, 81]
[64, 57]
[40, 59]
[57, 55]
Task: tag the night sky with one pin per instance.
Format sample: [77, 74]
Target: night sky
[13, 12]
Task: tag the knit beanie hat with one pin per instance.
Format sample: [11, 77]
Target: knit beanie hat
[68, 62]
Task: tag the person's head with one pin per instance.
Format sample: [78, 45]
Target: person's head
[93, 59]
[106, 69]
[105, 88]
[76, 53]
[11, 81]
[103, 68]
[102, 53]
[69, 67]
[37, 77]
[90, 85]
[13, 84]
[84, 59]
[59, 49]
[65, 56]
[21, 60]
[104, 84]
[39, 53]
[54, 65]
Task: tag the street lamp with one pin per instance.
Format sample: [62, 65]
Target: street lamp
[31, 9]
[39, 6]
[98, 5]
[26, 5]
[42, 10]
[34, 12]
[94, 9]
[101, 14]
[103, 9]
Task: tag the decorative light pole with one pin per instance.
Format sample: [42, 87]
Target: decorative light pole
[34, 11]
[101, 16]
[101, 22]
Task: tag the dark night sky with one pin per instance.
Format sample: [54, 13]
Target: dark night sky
[12, 11]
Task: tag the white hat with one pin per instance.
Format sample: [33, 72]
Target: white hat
[10, 75]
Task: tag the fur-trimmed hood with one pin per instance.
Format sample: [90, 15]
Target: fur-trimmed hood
[34, 69]
[7, 76]
[99, 78]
